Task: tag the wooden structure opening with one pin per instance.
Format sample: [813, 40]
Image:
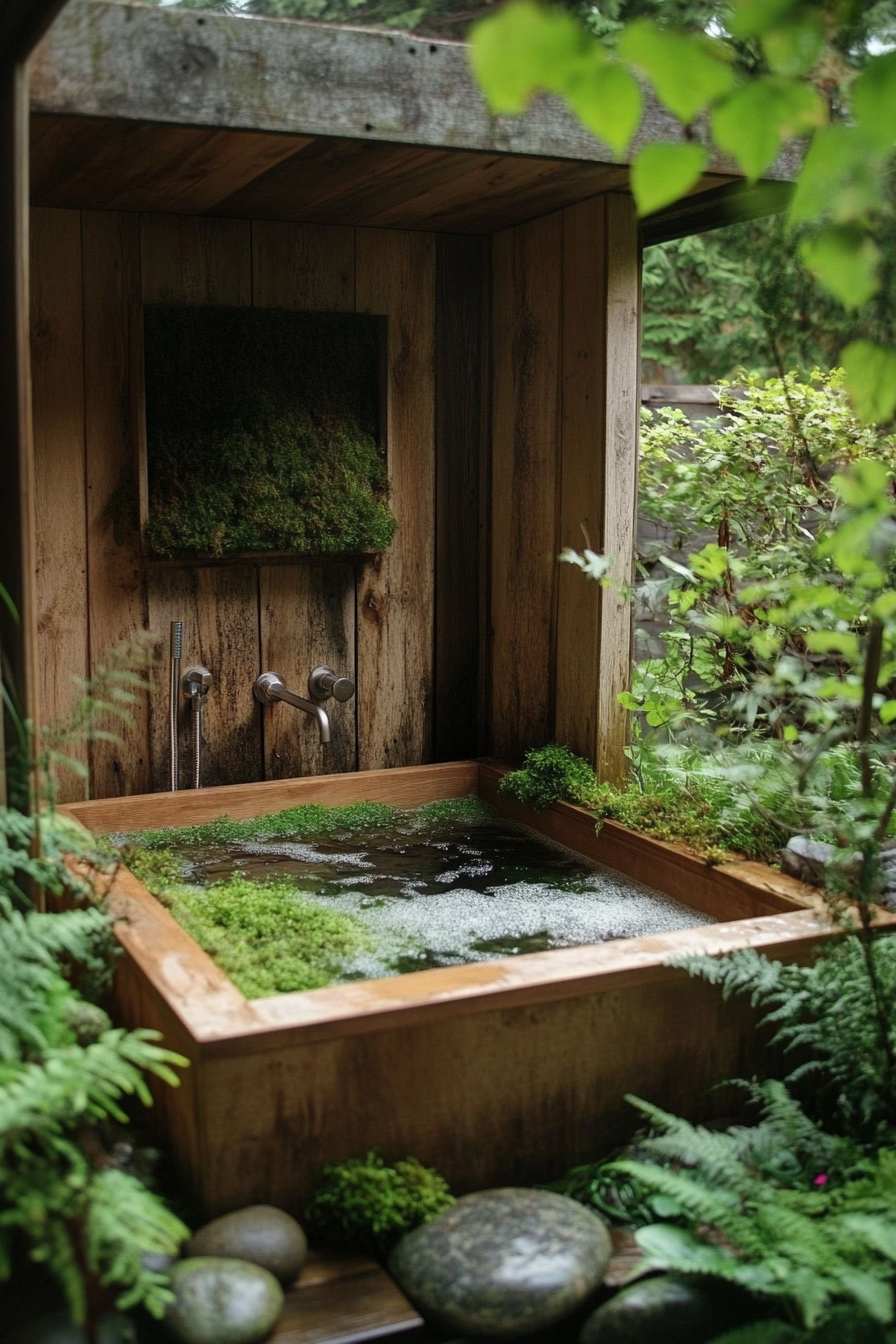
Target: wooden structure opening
[504, 259]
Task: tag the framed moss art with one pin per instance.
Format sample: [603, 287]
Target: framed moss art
[263, 433]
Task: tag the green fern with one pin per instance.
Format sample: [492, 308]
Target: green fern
[66, 1074]
[802, 1004]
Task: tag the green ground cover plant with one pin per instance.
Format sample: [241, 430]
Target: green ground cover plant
[262, 433]
[366, 1205]
[266, 936]
[263, 935]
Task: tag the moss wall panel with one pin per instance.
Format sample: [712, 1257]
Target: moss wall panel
[395, 276]
[238, 617]
[111, 252]
[58, 399]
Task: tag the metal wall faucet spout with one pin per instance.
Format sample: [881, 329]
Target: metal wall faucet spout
[269, 688]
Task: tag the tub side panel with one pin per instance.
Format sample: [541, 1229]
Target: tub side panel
[497, 1097]
[176, 1115]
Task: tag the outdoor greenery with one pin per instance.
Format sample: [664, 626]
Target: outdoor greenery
[743, 80]
[798, 1207]
[365, 1205]
[67, 1076]
[262, 429]
[739, 298]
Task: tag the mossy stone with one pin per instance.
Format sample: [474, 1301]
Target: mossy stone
[222, 1301]
[503, 1263]
[260, 1234]
[668, 1310]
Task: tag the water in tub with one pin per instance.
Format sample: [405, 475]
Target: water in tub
[440, 886]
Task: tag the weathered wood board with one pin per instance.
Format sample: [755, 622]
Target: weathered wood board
[57, 323]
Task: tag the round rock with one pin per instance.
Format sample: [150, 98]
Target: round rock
[502, 1263]
[220, 1301]
[668, 1310]
[260, 1234]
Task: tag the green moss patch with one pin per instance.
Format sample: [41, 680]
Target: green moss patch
[262, 431]
[311, 821]
[263, 935]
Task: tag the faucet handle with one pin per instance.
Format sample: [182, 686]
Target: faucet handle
[324, 683]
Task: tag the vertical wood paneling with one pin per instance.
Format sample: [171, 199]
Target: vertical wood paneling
[582, 468]
[621, 478]
[111, 251]
[206, 261]
[307, 612]
[462, 436]
[219, 609]
[525, 446]
[395, 276]
[308, 621]
[306, 266]
[189, 260]
[58, 411]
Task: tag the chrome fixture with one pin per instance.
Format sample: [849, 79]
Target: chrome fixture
[324, 682]
[197, 683]
[177, 645]
[269, 688]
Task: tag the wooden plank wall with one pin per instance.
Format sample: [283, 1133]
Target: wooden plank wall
[564, 468]
[92, 270]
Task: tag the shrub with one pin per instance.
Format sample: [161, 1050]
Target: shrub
[365, 1205]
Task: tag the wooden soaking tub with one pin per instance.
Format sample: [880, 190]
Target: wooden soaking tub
[496, 1073]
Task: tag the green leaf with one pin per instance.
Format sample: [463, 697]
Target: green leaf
[525, 47]
[663, 173]
[752, 124]
[870, 380]
[888, 711]
[607, 100]
[793, 48]
[846, 262]
[874, 101]
[840, 177]
[751, 18]
[833, 641]
[687, 72]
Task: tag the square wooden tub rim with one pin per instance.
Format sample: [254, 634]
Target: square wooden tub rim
[223, 1023]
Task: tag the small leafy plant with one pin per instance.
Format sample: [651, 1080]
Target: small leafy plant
[551, 774]
[365, 1205]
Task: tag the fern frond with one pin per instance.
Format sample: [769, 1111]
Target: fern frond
[124, 1223]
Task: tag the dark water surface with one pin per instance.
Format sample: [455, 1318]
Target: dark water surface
[445, 893]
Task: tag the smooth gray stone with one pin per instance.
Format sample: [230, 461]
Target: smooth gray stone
[667, 1310]
[221, 1301]
[261, 1234]
[57, 1328]
[502, 1263]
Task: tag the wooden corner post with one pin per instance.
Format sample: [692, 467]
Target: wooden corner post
[599, 474]
[17, 566]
